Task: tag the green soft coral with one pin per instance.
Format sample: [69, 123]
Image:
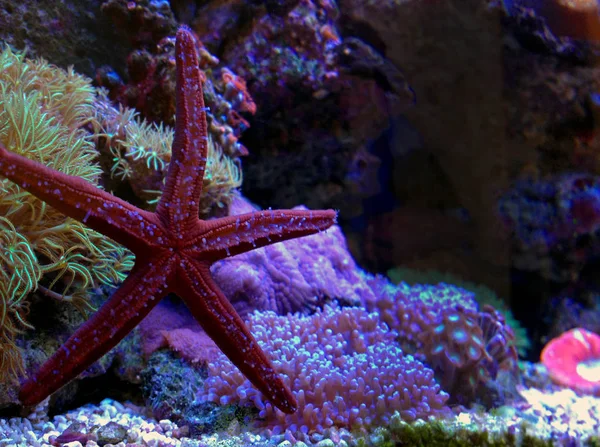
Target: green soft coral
[139, 153]
[56, 117]
[43, 111]
[483, 295]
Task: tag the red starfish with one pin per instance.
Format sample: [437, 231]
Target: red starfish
[173, 248]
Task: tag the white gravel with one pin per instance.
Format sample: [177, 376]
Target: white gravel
[558, 415]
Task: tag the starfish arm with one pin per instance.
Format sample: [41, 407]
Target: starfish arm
[136, 297]
[82, 200]
[232, 235]
[179, 204]
[222, 323]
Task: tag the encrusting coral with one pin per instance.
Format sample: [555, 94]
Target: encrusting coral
[294, 276]
[466, 344]
[43, 110]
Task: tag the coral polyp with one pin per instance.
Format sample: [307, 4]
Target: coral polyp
[43, 111]
[573, 360]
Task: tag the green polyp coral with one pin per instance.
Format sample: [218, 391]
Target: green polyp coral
[482, 294]
[15, 253]
[43, 111]
[56, 117]
[140, 153]
[223, 176]
[145, 148]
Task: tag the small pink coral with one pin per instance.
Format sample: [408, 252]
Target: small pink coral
[573, 360]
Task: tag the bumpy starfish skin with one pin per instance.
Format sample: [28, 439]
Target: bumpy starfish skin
[173, 248]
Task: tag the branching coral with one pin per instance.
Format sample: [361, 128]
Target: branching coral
[43, 110]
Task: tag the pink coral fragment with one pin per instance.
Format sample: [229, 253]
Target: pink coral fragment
[573, 360]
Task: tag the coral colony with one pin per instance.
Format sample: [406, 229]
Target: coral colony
[173, 248]
[131, 255]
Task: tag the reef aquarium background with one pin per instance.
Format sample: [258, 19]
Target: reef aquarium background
[296, 223]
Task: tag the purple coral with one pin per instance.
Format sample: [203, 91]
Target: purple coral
[443, 326]
[293, 276]
[343, 367]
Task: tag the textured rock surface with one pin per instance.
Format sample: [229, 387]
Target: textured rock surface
[68, 32]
